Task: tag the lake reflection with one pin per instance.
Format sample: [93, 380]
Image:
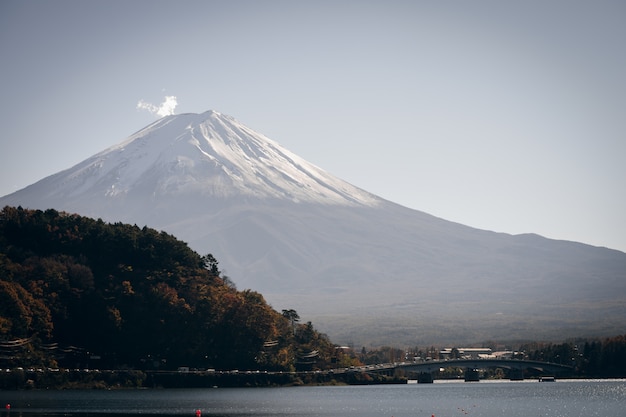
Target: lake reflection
[606, 398]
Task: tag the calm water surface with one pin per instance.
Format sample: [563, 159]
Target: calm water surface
[605, 398]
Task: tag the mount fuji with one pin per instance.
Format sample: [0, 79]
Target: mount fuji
[363, 269]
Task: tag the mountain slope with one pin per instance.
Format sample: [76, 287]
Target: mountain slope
[364, 269]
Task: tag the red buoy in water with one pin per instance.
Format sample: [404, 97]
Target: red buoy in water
[8, 406]
[198, 413]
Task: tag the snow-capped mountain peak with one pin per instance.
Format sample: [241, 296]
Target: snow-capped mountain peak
[208, 153]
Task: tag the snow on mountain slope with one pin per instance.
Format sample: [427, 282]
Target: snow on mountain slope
[362, 268]
[209, 154]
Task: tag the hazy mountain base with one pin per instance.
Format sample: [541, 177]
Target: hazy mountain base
[466, 323]
[393, 275]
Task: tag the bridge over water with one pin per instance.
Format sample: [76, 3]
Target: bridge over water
[516, 368]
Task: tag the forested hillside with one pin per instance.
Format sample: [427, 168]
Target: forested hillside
[79, 292]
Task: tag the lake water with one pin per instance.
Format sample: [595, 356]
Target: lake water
[566, 398]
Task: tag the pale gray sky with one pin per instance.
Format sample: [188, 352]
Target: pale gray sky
[502, 115]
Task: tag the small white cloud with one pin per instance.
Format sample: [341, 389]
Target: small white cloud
[164, 109]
